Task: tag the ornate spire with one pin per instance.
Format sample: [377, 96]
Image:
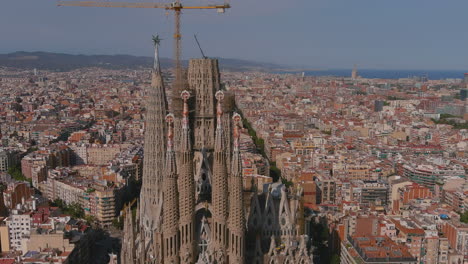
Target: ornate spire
[154, 160]
[219, 110]
[220, 188]
[219, 140]
[236, 159]
[185, 137]
[171, 210]
[186, 189]
[128, 253]
[156, 43]
[185, 95]
[171, 168]
[236, 202]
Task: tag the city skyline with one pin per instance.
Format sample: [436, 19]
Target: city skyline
[319, 34]
[206, 160]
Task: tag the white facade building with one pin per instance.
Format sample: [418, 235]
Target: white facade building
[19, 227]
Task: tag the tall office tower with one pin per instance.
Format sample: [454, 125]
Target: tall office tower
[192, 206]
[354, 73]
[465, 80]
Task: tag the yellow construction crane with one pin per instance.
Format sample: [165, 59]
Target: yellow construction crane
[174, 6]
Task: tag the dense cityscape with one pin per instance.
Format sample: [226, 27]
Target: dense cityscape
[266, 149]
[349, 169]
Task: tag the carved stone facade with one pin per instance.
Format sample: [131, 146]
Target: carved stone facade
[203, 79]
[192, 206]
[275, 223]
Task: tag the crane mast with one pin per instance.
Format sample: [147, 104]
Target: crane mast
[177, 49]
[174, 6]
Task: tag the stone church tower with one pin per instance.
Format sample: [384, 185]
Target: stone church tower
[186, 202]
[191, 206]
[151, 196]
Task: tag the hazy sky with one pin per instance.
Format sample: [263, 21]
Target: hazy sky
[385, 34]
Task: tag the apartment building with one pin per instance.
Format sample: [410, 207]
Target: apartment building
[19, 229]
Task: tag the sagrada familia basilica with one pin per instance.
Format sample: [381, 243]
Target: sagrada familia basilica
[193, 207]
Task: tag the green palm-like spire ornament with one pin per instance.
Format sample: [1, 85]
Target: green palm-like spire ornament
[156, 43]
[156, 40]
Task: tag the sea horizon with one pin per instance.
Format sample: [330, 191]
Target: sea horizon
[387, 74]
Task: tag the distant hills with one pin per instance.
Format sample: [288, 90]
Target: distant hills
[67, 62]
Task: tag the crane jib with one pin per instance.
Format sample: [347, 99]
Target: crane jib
[175, 6]
[137, 5]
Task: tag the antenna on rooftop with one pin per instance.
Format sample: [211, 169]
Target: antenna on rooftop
[198, 43]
